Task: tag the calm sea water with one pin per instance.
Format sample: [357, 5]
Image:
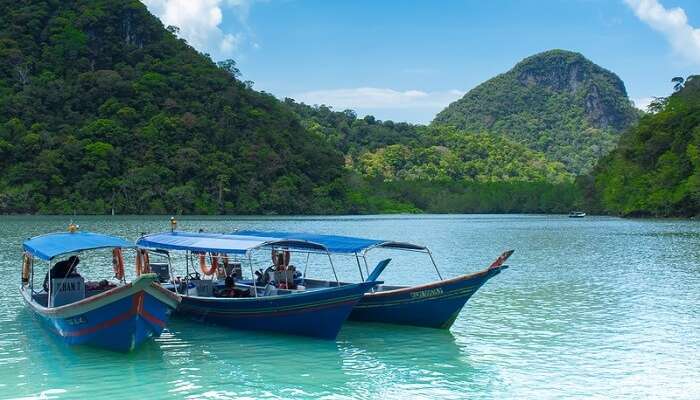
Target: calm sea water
[595, 308]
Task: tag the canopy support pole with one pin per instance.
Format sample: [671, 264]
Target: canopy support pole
[49, 301]
[434, 265]
[359, 267]
[364, 257]
[252, 275]
[306, 266]
[172, 276]
[187, 266]
[333, 268]
[31, 277]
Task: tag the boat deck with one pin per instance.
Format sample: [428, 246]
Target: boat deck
[42, 298]
[306, 285]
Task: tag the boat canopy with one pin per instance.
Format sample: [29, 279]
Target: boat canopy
[334, 243]
[220, 243]
[49, 246]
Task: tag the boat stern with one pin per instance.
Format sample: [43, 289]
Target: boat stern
[120, 319]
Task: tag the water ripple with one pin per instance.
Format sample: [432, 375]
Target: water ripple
[595, 308]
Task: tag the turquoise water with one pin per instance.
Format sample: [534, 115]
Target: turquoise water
[595, 308]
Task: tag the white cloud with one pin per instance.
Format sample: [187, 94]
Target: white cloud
[200, 22]
[642, 103]
[243, 7]
[379, 98]
[673, 24]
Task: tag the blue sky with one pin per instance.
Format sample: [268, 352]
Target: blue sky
[406, 60]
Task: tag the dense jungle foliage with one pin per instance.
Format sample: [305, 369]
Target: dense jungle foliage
[439, 169]
[102, 108]
[655, 170]
[401, 151]
[480, 197]
[450, 155]
[556, 102]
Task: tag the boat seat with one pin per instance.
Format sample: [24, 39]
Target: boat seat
[204, 287]
[235, 270]
[162, 270]
[66, 291]
[270, 290]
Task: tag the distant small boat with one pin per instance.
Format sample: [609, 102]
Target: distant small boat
[577, 214]
[435, 304]
[116, 317]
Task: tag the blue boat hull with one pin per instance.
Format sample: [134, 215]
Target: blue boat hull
[318, 313]
[434, 305]
[119, 319]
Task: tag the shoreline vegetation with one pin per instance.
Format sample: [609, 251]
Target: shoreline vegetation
[103, 110]
[408, 198]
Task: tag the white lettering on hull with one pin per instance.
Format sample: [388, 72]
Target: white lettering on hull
[426, 293]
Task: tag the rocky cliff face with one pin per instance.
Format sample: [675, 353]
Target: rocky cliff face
[558, 102]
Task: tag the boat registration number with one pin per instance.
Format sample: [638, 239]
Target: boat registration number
[426, 293]
[76, 320]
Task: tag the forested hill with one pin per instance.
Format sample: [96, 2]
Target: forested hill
[392, 151]
[557, 102]
[102, 108]
[396, 166]
[655, 171]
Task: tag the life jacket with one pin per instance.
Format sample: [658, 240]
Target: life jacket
[118, 263]
[26, 268]
[143, 265]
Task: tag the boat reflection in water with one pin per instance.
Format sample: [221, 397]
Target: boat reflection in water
[413, 362]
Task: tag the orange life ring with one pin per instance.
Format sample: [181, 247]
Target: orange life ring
[214, 263]
[118, 263]
[143, 265]
[26, 267]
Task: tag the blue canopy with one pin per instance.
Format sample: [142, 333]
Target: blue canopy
[219, 243]
[334, 243]
[46, 247]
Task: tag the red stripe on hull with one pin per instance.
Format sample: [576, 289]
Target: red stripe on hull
[152, 319]
[136, 309]
[102, 325]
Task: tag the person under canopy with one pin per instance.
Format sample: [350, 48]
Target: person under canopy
[283, 271]
[230, 289]
[61, 270]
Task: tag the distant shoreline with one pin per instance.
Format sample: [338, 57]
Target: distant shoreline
[302, 216]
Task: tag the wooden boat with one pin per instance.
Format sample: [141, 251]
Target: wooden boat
[435, 304]
[317, 313]
[112, 316]
[577, 214]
